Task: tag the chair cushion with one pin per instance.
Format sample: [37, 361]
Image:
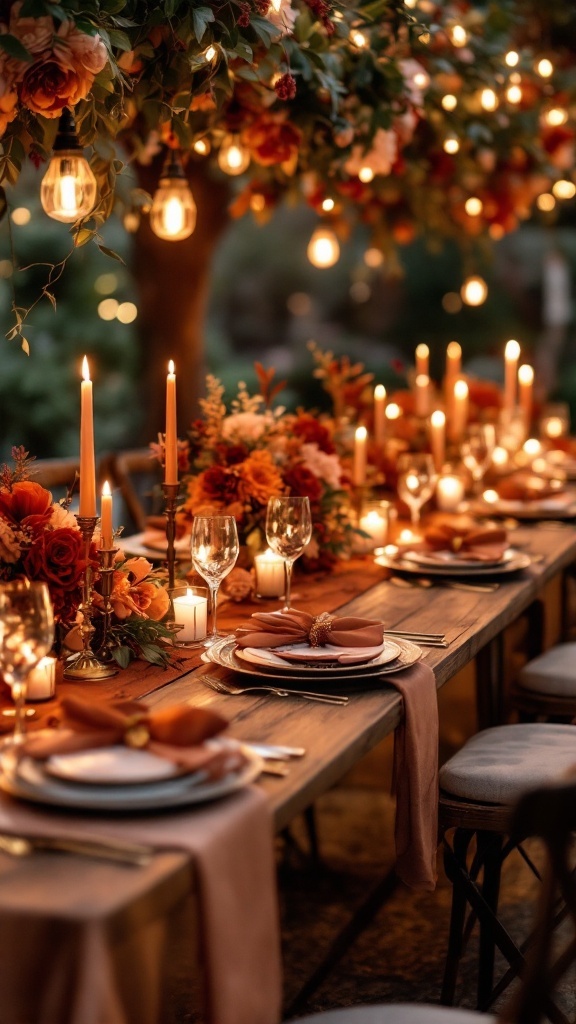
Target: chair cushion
[552, 672]
[499, 764]
[399, 1013]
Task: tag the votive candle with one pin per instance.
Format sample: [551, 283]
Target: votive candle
[87, 461]
[379, 413]
[449, 492]
[190, 612]
[41, 683]
[359, 467]
[106, 530]
[171, 435]
[270, 574]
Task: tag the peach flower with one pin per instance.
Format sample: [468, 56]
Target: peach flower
[34, 33]
[79, 50]
[259, 478]
[132, 594]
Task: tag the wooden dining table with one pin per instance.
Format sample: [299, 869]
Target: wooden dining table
[59, 890]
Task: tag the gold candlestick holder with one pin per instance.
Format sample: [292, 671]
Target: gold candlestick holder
[170, 505]
[106, 556]
[86, 664]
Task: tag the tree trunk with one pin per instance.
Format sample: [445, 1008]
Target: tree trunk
[173, 280]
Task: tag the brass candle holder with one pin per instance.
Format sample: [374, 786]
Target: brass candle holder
[170, 505]
[106, 556]
[86, 664]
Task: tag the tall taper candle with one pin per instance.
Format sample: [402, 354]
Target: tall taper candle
[422, 394]
[460, 413]
[87, 461]
[511, 357]
[359, 467]
[106, 530]
[171, 435]
[525, 389]
[379, 413]
[438, 438]
[422, 360]
[452, 373]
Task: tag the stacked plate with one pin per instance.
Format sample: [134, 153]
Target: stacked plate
[447, 563]
[561, 506]
[116, 779]
[302, 663]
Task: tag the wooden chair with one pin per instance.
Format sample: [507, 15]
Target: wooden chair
[137, 477]
[548, 812]
[58, 475]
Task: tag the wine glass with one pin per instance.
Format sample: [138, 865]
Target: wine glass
[477, 451]
[214, 549]
[26, 636]
[416, 481]
[288, 531]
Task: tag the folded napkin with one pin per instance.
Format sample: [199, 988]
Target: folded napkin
[528, 487]
[156, 539]
[477, 545]
[274, 629]
[176, 734]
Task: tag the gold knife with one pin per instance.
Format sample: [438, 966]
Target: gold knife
[103, 849]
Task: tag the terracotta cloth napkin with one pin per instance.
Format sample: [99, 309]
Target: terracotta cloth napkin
[174, 733]
[477, 545]
[231, 848]
[415, 777]
[274, 629]
[528, 487]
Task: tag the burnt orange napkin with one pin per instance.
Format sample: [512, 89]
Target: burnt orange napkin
[176, 733]
[478, 545]
[273, 629]
[528, 487]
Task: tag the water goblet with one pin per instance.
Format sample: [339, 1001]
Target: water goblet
[26, 636]
[477, 451]
[416, 481]
[214, 549]
[288, 531]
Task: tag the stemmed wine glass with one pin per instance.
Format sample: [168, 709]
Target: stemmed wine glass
[477, 452]
[288, 531]
[26, 636]
[214, 549]
[416, 481]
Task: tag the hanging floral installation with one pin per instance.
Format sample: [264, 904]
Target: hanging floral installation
[449, 118]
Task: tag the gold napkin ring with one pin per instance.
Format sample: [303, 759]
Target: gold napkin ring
[319, 634]
[137, 736]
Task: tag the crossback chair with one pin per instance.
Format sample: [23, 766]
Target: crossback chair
[549, 813]
[58, 475]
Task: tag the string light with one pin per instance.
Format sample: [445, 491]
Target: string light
[328, 204]
[545, 68]
[210, 53]
[366, 174]
[451, 144]
[233, 157]
[556, 116]
[68, 189]
[512, 58]
[449, 101]
[514, 94]
[488, 99]
[173, 212]
[202, 147]
[358, 38]
[561, 189]
[474, 291]
[473, 206]
[21, 215]
[323, 249]
[458, 35]
[546, 202]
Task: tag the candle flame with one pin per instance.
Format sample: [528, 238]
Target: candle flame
[526, 374]
[461, 389]
[454, 350]
[106, 488]
[171, 366]
[380, 393]
[438, 418]
[512, 350]
[361, 433]
[393, 411]
[422, 351]
[422, 380]
[85, 369]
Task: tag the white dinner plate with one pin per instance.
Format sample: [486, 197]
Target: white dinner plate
[451, 558]
[111, 765]
[225, 654]
[543, 508]
[27, 780]
[403, 564]
[306, 657]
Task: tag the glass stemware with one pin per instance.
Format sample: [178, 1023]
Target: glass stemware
[477, 451]
[214, 549]
[288, 531]
[26, 636]
[416, 481]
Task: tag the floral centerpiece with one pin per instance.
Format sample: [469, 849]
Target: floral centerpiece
[40, 540]
[234, 461]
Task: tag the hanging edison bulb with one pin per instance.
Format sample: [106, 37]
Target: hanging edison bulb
[233, 157]
[323, 249]
[173, 211]
[68, 189]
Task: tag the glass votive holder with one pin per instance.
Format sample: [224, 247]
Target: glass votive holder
[190, 615]
[374, 522]
[554, 421]
[270, 573]
[450, 490]
[41, 683]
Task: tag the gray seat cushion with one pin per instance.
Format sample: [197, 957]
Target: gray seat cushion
[553, 672]
[399, 1013]
[499, 764]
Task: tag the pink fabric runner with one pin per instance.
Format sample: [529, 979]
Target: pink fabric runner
[231, 846]
[416, 777]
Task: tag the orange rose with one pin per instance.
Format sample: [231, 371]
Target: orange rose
[48, 86]
[259, 478]
[28, 504]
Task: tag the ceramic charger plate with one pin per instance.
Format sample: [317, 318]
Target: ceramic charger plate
[519, 560]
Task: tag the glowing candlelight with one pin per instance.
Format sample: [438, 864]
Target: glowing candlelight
[422, 387]
[511, 357]
[359, 467]
[438, 438]
[87, 462]
[270, 574]
[422, 360]
[379, 413]
[526, 388]
[106, 530]
[449, 492]
[460, 416]
[171, 435]
[452, 373]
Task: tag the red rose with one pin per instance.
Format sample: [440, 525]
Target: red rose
[57, 557]
[219, 484]
[302, 483]
[272, 142]
[311, 431]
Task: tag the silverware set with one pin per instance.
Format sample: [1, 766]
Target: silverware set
[103, 849]
[422, 639]
[223, 686]
[425, 584]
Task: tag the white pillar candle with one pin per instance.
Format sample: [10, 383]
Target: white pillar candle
[190, 612]
[525, 393]
[460, 409]
[270, 574]
[41, 683]
[511, 357]
[422, 360]
[359, 467]
[438, 438]
[379, 413]
[376, 526]
[449, 493]
[422, 394]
